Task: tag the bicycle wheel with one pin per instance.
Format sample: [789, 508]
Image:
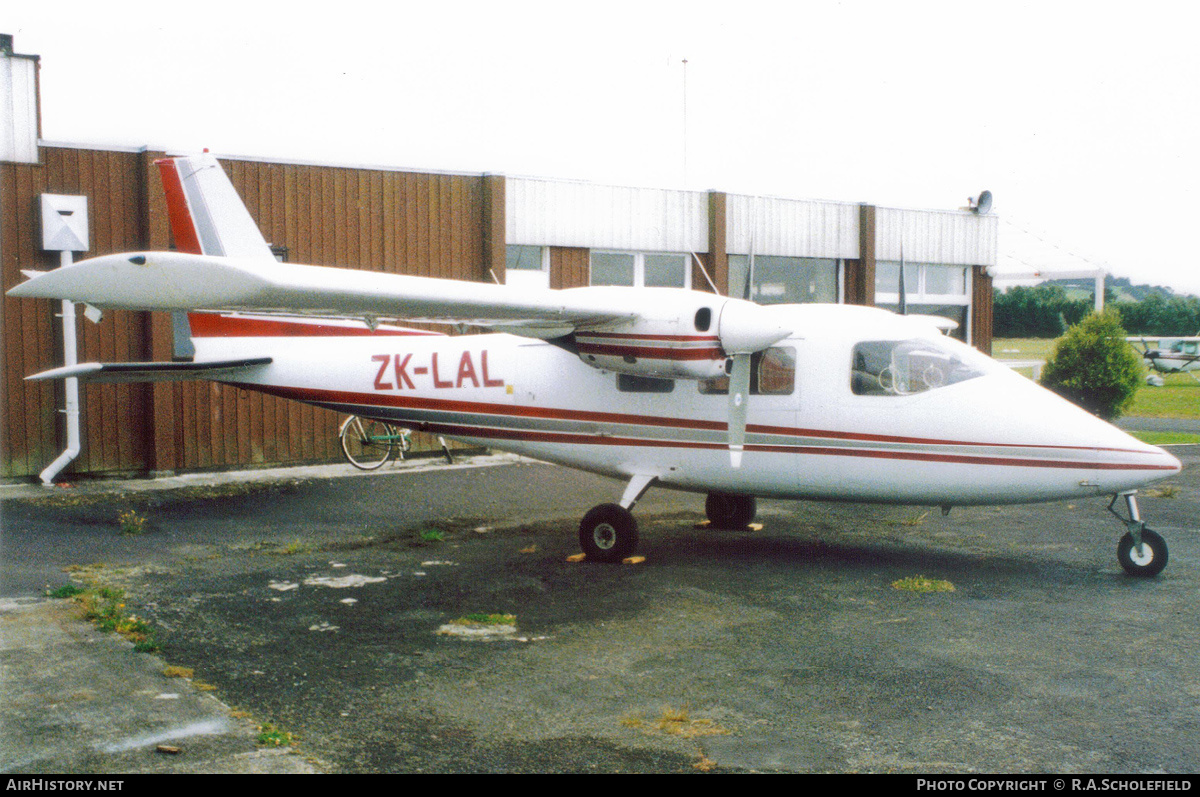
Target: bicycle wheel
[366, 444]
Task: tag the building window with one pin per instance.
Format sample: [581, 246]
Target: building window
[525, 258]
[641, 270]
[923, 282]
[614, 268]
[527, 266]
[783, 280]
[929, 289]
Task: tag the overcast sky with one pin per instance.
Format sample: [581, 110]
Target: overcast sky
[1081, 118]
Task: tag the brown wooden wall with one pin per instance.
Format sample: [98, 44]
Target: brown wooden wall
[438, 225]
[404, 222]
[112, 414]
[981, 309]
[570, 267]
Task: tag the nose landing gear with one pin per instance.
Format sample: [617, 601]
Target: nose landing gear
[1141, 552]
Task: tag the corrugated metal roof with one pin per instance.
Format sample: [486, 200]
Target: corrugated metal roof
[791, 227]
[562, 213]
[18, 109]
[952, 237]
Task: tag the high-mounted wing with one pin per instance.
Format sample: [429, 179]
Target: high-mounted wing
[225, 264]
[180, 281]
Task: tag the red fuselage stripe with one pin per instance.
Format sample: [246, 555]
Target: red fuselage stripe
[664, 338]
[917, 456]
[414, 402]
[605, 350]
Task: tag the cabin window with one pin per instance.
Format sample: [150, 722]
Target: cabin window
[632, 383]
[772, 373]
[905, 367]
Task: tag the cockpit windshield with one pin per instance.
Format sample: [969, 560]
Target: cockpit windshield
[905, 367]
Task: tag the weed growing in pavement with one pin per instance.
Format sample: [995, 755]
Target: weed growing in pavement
[271, 735]
[923, 584]
[105, 607]
[676, 722]
[487, 619]
[131, 522]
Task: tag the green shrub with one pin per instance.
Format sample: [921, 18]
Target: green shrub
[1094, 367]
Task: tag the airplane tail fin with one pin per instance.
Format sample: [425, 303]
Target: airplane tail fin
[207, 218]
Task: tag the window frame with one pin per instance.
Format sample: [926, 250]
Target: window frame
[839, 271]
[639, 264]
[919, 297]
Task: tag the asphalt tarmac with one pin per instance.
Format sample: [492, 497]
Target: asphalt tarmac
[368, 615]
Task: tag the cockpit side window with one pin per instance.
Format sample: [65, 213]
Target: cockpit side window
[905, 367]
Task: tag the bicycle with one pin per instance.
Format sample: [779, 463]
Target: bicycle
[368, 444]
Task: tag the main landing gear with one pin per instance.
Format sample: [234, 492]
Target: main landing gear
[609, 533]
[1141, 552]
[726, 511]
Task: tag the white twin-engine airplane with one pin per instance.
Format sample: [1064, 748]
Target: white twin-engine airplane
[652, 386]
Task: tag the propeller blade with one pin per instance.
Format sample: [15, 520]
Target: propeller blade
[739, 395]
[745, 328]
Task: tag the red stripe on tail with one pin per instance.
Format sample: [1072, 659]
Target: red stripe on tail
[182, 225]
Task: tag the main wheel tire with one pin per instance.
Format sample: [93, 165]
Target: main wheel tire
[367, 444]
[1151, 560]
[608, 533]
[726, 511]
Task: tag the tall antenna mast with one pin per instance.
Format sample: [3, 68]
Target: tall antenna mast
[685, 122]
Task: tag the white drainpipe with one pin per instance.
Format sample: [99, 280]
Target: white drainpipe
[70, 357]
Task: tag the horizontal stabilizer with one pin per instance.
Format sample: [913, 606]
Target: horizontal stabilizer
[151, 372]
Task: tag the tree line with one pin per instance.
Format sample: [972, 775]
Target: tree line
[1046, 311]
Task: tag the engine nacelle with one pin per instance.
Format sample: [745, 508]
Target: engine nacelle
[679, 345]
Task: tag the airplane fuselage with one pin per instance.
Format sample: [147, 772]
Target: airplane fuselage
[824, 424]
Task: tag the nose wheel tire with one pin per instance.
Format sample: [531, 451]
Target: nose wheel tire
[1147, 562]
[726, 511]
[608, 533]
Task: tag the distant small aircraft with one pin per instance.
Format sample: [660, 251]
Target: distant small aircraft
[1172, 355]
[653, 386]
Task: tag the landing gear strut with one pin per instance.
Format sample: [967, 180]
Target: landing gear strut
[608, 532]
[1141, 552]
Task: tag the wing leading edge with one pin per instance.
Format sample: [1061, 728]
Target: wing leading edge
[180, 281]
